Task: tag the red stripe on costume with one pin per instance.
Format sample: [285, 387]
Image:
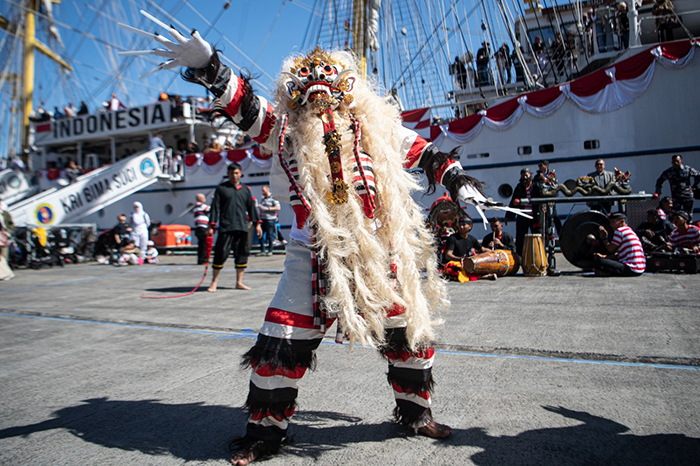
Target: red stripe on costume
[278, 316]
[301, 215]
[266, 370]
[423, 393]
[235, 104]
[415, 152]
[266, 126]
[405, 355]
[396, 310]
[440, 172]
[259, 415]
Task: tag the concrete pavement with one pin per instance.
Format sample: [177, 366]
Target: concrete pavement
[540, 371]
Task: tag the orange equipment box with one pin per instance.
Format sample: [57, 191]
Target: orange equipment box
[172, 236]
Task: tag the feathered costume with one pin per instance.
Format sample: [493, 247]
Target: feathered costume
[359, 244]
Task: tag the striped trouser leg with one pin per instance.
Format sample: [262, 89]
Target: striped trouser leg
[283, 352]
[410, 374]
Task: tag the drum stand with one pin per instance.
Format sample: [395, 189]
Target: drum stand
[549, 237]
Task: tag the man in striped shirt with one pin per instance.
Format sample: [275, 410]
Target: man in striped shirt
[201, 226]
[685, 236]
[630, 260]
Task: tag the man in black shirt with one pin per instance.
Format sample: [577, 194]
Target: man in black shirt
[682, 189]
[232, 200]
[654, 233]
[498, 239]
[122, 232]
[462, 244]
[523, 225]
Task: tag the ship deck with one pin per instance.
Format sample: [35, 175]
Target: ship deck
[541, 371]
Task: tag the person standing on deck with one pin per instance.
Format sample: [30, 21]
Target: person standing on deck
[678, 177]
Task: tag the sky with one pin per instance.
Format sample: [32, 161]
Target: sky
[266, 31]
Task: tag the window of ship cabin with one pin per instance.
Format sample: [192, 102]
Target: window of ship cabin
[474, 156]
[168, 209]
[524, 150]
[546, 148]
[591, 144]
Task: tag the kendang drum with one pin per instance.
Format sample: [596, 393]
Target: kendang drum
[534, 261]
[501, 262]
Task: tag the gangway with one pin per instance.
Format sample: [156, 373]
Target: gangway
[92, 191]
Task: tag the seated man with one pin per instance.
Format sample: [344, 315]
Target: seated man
[685, 237]
[498, 239]
[628, 259]
[129, 254]
[462, 245]
[122, 231]
[665, 209]
[654, 233]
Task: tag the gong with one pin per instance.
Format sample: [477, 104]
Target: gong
[579, 238]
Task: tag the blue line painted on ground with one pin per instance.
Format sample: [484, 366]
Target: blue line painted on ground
[117, 324]
[249, 333]
[123, 273]
[79, 280]
[575, 361]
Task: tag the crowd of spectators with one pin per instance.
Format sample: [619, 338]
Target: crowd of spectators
[553, 55]
[668, 228]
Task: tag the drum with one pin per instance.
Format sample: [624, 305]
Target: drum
[534, 258]
[501, 262]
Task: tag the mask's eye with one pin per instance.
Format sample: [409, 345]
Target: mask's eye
[303, 72]
[328, 69]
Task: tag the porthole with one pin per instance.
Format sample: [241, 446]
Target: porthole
[168, 209]
[505, 190]
[101, 213]
[546, 148]
[482, 155]
[524, 150]
[591, 144]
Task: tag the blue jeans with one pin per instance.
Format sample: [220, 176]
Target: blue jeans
[269, 228]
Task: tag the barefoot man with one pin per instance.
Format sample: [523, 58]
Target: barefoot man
[232, 201]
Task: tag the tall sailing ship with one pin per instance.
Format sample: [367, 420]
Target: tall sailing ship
[507, 83]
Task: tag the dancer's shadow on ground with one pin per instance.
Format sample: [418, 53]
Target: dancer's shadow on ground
[198, 432]
[596, 441]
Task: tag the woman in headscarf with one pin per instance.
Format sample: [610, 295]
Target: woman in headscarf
[140, 221]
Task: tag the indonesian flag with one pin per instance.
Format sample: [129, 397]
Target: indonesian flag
[418, 121]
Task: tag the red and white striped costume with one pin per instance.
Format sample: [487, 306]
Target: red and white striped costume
[687, 239]
[630, 251]
[287, 341]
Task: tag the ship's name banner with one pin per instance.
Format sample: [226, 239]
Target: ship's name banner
[89, 194]
[105, 124]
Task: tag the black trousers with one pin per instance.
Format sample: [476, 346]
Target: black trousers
[201, 234]
[522, 227]
[614, 267]
[227, 240]
[684, 204]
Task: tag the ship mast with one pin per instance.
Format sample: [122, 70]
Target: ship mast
[31, 44]
[358, 33]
